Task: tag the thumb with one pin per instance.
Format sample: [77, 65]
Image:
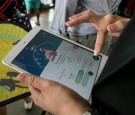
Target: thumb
[32, 80]
[35, 86]
[116, 27]
[101, 35]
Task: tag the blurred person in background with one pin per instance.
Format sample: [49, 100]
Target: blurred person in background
[33, 5]
[83, 33]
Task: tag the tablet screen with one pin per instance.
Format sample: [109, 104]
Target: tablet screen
[54, 58]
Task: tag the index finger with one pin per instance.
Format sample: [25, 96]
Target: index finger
[102, 32]
[101, 35]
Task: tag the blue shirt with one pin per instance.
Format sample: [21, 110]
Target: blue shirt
[66, 8]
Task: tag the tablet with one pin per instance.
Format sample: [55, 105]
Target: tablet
[57, 58]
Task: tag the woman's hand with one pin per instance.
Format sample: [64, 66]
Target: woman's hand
[106, 24]
[54, 97]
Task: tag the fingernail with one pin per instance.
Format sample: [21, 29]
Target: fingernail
[113, 27]
[70, 18]
[21, 77]
[96, 52]
[67, 23]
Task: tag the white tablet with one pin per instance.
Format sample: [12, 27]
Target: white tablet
[56, 58]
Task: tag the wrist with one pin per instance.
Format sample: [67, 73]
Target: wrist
[73, 108]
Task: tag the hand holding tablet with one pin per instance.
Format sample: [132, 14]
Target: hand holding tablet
[55, 58]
